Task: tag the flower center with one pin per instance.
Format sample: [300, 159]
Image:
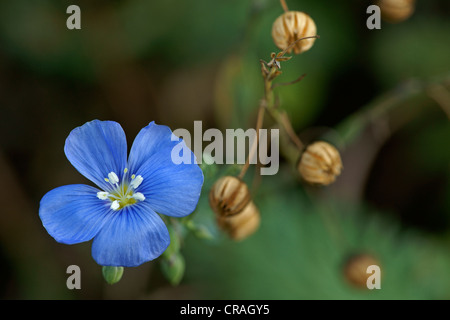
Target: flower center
[122, 194]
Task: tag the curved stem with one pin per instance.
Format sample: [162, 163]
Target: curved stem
[385, 106]
[284, 5]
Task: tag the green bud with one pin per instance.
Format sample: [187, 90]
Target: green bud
[203, 233]
[199, 231]
[174, 246]
[173, 268]
[190, 225]
[112, 275]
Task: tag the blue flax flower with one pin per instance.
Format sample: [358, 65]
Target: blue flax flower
[121, 214]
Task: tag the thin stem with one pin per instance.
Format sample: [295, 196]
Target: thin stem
[282, 53]
[288, 83]
[385, 105]
[290, 131]
[253, 149]
[270, 72]
[284, 5]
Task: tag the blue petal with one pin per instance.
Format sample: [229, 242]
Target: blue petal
[134, 235]
[149, 141]
[96, 149]
[170, 189]
[73, 214]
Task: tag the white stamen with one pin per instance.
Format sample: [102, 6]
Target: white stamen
[102, 195]
[136, 182]
[113, 178]
[115, 205]
[121, 194]
[138, 196]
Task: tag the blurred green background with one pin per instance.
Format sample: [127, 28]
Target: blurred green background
[379, 95]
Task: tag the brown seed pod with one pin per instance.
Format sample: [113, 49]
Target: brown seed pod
[236, 213]
[241, 225]
[320, 163]
[396, 10]
[291, 26]
[355, 269]
[229, 196]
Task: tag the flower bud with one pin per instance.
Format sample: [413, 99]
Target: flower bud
[396, 10]
[174, 246]
[112, 275]
[320, 163]
[200, 231]
[228, 196]
[291, 26]
[355, 269]
[173, 268]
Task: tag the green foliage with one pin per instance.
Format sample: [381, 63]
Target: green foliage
[301, 247]
[417, 48]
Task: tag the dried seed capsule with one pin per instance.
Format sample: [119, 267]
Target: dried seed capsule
[291, 26]
[320, 163]
[355, 269]
[229, 196]
[241, 225]
[396, 10]
[236, 213]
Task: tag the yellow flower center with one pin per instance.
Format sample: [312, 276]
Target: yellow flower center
[123, 194]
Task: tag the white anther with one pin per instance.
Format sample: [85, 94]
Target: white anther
[138, 196]
[102, 195]
[113, 178]
[136, 182]
[115, 205]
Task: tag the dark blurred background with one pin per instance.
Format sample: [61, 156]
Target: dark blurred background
[176, 61]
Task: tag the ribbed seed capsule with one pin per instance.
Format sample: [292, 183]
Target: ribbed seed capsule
[396, 10]
[229, 196]
[355, 269]
[320, 163]
[291, 26]
[242, 225]
[236, 213]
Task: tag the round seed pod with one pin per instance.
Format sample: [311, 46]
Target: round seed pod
[355, 269]
[320, 163]
[229, 196]
[241, 225]
[396, 10]
[291, 26]
[236, 213]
